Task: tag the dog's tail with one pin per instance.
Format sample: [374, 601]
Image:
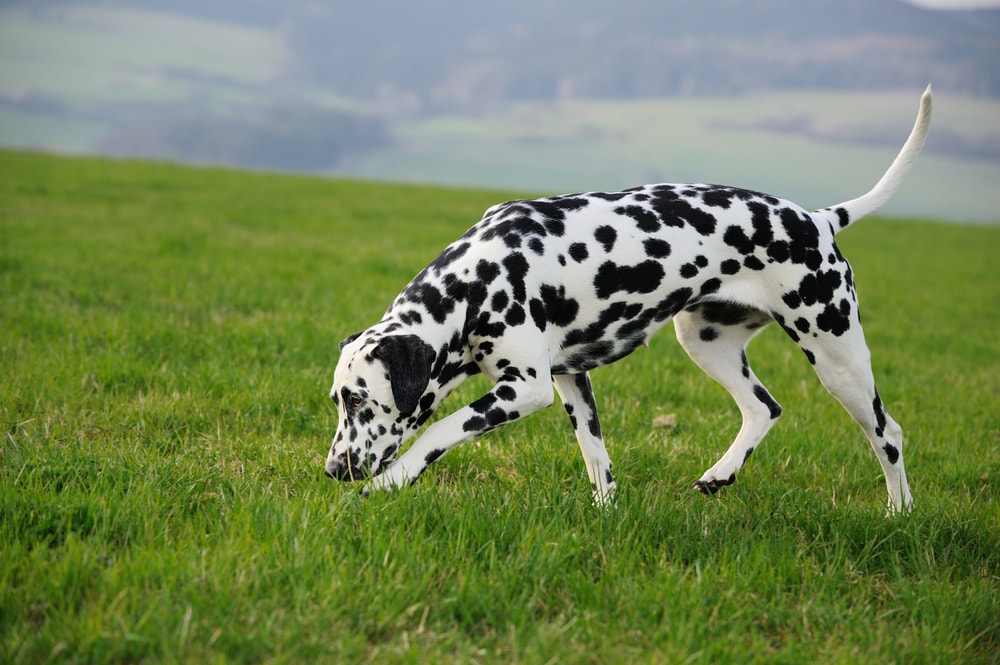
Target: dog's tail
[843, 215]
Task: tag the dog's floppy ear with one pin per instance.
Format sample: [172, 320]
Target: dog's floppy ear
[350, 339]
[409, 360]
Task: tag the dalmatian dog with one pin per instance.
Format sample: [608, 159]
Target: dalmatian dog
[540, 292]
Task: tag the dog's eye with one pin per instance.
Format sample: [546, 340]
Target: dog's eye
[350, 402]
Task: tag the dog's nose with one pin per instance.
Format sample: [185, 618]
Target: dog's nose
[334, 468]
[341, 469]
[337, 471]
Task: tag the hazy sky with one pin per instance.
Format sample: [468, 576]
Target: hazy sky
[956, 4]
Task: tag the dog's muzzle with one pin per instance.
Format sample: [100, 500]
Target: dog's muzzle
[346, 467]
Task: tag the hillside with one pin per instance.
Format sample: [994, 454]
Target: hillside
[344, 86]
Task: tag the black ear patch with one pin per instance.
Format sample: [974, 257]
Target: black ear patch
[409, 360]
[350, 339]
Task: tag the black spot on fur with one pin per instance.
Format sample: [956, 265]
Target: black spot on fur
[555, 307]
[474, 424]
[517, 267]
[788, 330]
[673, 303]
[676, 211]
[709, 287]
[449, 256]
[719, 198]
[484, 403]
[656, 248]
[819, 287]
[737, 238]
[505, 393]
[835, 319]
[486, 327]
[547, 208]
[570, 202]
[792, 299]
[537, 310]
[517, 227]
[765, 398]
[708, 334]
[779, 251]
[800, 228]
[578, 252]
[388, 453]
[432, 300]
[607, 236]
[597, 329]
[609, 196]
[761, 219]
[611, 278]
[499, 301]
[497, 416]
[515, 315]
[644, 218]
[411, 318]
[487, 271]
[879, 410]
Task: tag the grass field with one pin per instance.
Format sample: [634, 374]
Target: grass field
[168, 337]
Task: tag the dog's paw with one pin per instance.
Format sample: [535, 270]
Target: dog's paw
[380, 483]
[709, 487]
[604, 498]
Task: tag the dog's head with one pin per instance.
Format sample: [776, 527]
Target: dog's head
[377, 387]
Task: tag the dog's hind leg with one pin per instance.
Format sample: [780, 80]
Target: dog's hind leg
[843, 364]
[577, 397]
[715, 335]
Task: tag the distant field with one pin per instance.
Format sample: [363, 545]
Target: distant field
[814, 148]
[101, 54]
[70, 74]
[98, 78]
[168, 337]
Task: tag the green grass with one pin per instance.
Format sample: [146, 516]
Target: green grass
[168, 337]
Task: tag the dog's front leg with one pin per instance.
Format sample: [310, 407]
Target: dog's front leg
[577, 396]
[514, 396]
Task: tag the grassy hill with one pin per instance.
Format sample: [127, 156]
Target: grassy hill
[168, 337]
[807, 100]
